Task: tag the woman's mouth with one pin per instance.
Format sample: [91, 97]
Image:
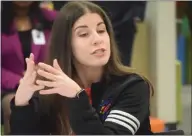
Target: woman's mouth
[99, 52]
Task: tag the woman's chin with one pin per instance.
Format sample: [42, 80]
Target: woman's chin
[98, 63]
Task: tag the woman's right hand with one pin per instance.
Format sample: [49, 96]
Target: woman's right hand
[27, 85]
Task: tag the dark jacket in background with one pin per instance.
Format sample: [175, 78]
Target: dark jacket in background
[122, 14]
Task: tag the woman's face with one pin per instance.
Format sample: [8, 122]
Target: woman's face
[90, 41]
[23, 4]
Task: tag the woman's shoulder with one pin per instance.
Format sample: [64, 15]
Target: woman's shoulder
[131, 83]
[49, 14]
[130, 78]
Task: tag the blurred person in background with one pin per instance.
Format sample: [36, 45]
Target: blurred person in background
[123, 15]
[25, 29]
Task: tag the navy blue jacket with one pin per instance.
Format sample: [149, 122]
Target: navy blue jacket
[120, 106]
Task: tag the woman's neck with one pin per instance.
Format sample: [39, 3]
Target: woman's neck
[22, 20]
[88, 75]
[21, 12]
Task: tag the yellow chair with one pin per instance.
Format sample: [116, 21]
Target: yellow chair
[178, 91]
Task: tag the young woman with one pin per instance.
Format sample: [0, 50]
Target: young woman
[25, 28]
[84, 88]
[123, 18]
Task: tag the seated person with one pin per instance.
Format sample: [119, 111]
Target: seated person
[25, 28]
[82, 88]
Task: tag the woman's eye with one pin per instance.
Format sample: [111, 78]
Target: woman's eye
[101, 31]
[83, 35]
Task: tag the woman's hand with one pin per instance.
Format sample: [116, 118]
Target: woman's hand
[59, 82]
[27, 85]
[36, 67]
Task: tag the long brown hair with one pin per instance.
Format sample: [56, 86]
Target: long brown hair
[60, 48]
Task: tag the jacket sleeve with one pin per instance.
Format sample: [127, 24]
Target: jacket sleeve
[9, 80]
[125, 117]
[26, 120]
[139, 8]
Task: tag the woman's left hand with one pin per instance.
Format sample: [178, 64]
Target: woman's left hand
[59, 82]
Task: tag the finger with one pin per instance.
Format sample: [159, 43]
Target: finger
[24, 72]
[46, 83]
[38, 87]
[36, 67]
[46, 75]
[20, 81]
[48, 91]
[31, 57]
[31, 61]
[56, 65]
[30, 67]
[48, 68]
[33, 77]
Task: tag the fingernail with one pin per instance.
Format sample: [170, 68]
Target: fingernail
[37, 81]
